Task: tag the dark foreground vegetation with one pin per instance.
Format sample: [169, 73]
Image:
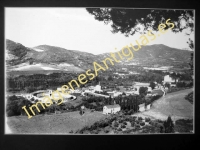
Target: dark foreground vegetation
[189, 97]
[127, 124]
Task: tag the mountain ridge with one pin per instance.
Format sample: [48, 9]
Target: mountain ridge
[45, 54]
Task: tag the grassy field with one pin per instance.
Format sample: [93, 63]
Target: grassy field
[52, 124]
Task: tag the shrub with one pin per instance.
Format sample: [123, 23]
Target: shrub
[137, 126]
[184, 121]
[14, 106]
[155, 97]
[127, 119]
[180, 84]
[140, 118]
[160, 121]
[137, 122]
[134, 117]
[121, 120]
[132, 124]
[142, 123]
[147, 119]
[125, 123]
[103, 124]
[71, 131]
[130, 112]
[119, 129]
[123, 126]
[100, 108]
[189, 97]
[116, 124]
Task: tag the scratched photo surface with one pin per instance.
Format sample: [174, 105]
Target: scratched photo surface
[94, 71]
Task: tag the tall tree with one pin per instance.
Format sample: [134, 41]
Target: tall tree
[131, 21]
[127, 21]
[152, 85]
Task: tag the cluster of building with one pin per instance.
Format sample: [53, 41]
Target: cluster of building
[96, 91]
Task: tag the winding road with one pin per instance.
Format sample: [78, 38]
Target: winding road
[173, 104]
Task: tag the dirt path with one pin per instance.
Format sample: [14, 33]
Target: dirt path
[173, 104]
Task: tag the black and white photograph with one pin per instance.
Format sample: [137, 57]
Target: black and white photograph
[99, 71]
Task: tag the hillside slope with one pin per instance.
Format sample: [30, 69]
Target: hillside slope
[158, 54]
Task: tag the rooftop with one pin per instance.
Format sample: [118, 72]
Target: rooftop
[112, 106]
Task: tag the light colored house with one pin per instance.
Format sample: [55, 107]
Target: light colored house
[142, 107]
[168, 79]
[93, 89]
[111, 109]
[148, 107]
[130, 93]
[114, 93]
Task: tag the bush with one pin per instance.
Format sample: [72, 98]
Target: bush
[128, 119]
[183, 121]
[180, 84]
[137, 122]
[125, 123]
[150, 122]
[119, 129]
[14, 106]
[71, 131]
[130, 112]
[140, 118]
[116, 124]
[160, 121]
[134, 117]
[142, 123]
[153, 98]
[189, 97]
[137, 126]
[99, 108]
[132, 124]
[121, 120]
[123, 126]
[147, 119]
[103, 124]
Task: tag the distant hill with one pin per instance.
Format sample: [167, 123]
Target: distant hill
[44, 57]
[157, 54]
[19, 55]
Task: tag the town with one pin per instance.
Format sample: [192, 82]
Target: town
[129, 75]
[135, 89]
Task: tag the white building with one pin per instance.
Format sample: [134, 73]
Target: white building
[130, 93]
[148, 107]
[142, 107]
[111, 109]
[92, 89]
[168, 79]
[114, 94]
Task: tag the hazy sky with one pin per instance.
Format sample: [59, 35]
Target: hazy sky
[73, 29]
